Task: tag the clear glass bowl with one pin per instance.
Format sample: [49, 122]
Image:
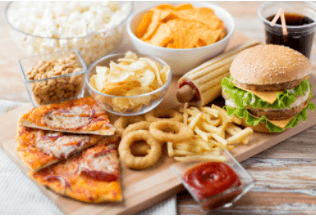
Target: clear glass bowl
[108, 102]
[55, 89]
[228, 197]
[92, 47]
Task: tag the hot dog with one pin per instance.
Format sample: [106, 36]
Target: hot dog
[201, 85]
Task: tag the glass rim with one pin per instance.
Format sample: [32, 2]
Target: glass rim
[68, 38]
[261, 7]
[84, 70]
[134, 96]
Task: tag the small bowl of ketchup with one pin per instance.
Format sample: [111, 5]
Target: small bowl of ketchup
[215, 184]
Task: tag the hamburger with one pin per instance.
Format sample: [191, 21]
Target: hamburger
[268, 88]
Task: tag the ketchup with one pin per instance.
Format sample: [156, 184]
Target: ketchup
[211, 178]
[191, 84]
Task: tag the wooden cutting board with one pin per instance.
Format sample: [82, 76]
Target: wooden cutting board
[141, 189]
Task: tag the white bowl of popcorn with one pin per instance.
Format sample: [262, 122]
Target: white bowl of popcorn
[94, 28]
[128, 84]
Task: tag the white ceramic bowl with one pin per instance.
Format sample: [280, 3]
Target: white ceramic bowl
[182, 60]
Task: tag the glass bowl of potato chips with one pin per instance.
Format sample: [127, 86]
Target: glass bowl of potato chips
[183, 34]
[128, 84]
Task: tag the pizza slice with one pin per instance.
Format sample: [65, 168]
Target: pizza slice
[92, 176]
[81, 116]
[39, 148]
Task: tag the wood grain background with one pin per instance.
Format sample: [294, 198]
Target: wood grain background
[285, 173]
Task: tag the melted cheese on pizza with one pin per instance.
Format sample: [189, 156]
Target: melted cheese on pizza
[61, 145]
[65, 120]
[104, 161]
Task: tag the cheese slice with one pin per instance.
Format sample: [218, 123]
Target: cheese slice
[279, 123]
[269, 96]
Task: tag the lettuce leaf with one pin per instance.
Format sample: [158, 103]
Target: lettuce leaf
[244, 99]
[250, 120]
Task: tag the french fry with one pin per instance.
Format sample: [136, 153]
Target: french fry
[210, 128]
[195, 120]
[185, 114]
[179, 152]
[196, 149]
[214, 122]
[170, 149]
[214, 142]
[182, 146]
[192, 112]
[194, 109]
[205, 136]
[204, 144]
[210, 111]
[219, 139]
[202, 157]
[237, 120]
[242, 134]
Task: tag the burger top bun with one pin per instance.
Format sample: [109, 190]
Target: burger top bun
[269, 64]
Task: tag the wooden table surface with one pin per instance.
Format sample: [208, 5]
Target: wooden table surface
[285, 174]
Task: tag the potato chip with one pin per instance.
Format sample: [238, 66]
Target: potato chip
[186, 33]
[153, 25]
[135, 66]
[210, 37]
[162, 36]
[117, 74]
[141, 100]
[183, 6]
[202, 15]
[126, 61]
[131, 55]
[102, 73]
[144, 24]
[164, 73]
[145, 78]
[121, 104]
[120, 88]
[165, 7]
[154, 67]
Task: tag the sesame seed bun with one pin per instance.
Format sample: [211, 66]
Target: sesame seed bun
[269, 64]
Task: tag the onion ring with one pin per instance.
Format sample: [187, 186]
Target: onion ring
[181, 131]
[143, 125]
[163, 114]
[121, 123]
[135, 162]
[140, 148]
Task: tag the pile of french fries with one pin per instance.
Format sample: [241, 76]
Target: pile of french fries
[214, 130]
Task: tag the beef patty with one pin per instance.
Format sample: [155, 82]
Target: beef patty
[270, 87]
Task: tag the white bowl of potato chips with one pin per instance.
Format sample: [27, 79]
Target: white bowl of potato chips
[181, 33]
[128, 84]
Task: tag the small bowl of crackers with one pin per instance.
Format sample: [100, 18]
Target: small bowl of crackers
[183, 34]
[128, 84]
